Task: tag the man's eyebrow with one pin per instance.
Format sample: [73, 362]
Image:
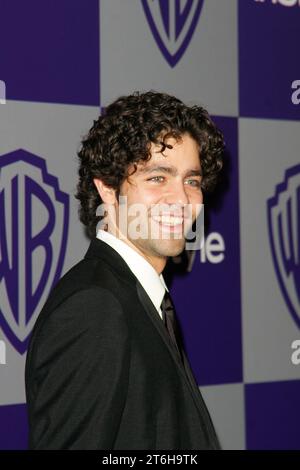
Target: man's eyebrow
[196, 172]
[171, 170]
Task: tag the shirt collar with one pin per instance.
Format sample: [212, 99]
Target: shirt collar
[153, 283]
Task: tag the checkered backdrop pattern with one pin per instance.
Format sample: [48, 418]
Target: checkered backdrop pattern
[239, 299]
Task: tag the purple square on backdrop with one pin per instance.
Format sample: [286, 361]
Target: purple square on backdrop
[207, 298]
[273, 415]
[269, 34]
[50, 51]
[13, 427]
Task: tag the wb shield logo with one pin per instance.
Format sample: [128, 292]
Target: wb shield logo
[172, 23]
[34, 218]
[284, 232]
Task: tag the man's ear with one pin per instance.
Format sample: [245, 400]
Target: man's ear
[107, 194]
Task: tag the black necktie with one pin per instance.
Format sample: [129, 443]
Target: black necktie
[169, 319]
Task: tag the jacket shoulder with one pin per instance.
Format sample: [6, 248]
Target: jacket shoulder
[86, 274]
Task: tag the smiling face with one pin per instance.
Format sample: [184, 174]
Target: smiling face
[163, 186]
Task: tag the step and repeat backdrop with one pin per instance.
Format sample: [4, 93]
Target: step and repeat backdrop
[238, 298]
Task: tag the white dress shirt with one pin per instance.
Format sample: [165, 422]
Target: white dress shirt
[153, 283]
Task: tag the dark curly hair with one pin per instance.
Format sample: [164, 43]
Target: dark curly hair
[123, 134]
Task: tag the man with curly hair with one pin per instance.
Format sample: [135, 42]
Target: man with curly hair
[106, 368]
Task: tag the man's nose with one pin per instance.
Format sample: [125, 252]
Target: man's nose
[177, 193]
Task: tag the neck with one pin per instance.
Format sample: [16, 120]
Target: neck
[157, 262]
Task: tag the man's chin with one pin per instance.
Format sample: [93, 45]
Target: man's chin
[170, 247]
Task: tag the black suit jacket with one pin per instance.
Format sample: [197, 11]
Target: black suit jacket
[101, 370]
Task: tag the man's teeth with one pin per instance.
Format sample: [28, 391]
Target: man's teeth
[168, 220]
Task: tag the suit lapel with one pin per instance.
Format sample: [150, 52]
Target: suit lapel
[184, 368]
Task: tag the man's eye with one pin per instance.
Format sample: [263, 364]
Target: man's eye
[195, 183]
[156, 178]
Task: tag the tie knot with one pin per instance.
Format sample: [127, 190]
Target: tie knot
[167, 303]
[169, 319]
